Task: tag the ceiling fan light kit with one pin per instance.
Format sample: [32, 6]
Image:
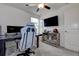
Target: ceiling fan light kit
[41, 5]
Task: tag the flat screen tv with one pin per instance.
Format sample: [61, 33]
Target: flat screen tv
[52, 21]
[13, 29]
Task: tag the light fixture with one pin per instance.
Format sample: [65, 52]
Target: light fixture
[41, 5]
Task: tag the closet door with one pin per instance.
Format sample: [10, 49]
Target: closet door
[71, 22]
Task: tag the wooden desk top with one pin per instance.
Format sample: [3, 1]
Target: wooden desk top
[8, 38]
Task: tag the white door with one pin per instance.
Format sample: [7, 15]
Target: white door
[36, 23]
[71, 22]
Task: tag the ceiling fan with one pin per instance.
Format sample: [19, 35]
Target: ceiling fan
[39, 6]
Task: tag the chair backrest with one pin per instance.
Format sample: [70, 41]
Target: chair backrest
[28, 36]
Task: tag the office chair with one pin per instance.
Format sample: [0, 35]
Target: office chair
[27, 40]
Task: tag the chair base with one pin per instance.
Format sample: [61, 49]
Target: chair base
[26, 53]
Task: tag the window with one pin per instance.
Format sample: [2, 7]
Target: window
[36, 23]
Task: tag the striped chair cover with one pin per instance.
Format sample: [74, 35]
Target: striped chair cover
[28, 37]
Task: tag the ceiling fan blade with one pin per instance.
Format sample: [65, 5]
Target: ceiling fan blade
[27, 5]
[31, 4]
[47, 7]
[37, 10]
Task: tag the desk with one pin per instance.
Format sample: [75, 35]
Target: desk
[3, 40]
[38, 39]
[8, 38]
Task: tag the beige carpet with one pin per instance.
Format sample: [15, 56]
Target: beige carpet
[47, 50]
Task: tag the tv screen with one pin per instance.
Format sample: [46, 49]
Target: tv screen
[13, 29]
[52, 21]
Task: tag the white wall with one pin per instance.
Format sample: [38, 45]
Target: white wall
[61, 23]
[12, 16]
[71, 24]
[73, 11]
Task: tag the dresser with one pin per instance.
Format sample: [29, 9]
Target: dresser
[51, 39]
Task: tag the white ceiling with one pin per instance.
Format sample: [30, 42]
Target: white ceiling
[32, 9]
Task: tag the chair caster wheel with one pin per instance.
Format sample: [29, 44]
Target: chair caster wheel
[33, 52]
